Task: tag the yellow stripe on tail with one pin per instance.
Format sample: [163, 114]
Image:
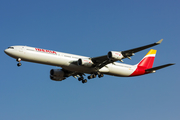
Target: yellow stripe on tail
[151, 52]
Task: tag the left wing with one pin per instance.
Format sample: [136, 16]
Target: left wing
[159, 67]
[113, 56]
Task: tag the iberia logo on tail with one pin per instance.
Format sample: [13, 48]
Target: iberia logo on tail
[145, 63]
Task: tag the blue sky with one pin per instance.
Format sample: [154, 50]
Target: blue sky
[90, 28]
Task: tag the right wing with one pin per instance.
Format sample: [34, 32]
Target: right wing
[102, 61]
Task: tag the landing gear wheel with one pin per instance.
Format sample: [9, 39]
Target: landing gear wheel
[93, 75]
[84, 81]
[90, 77]
[79, 79]
[19, 64]
[100, 75]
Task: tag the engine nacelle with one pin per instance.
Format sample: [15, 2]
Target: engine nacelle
[114, 55]
[56, 78]
[85, 62]
[57, 74]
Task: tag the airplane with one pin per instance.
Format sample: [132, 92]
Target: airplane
[77, 66]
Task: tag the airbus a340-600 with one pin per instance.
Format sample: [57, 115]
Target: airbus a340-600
[77, 66]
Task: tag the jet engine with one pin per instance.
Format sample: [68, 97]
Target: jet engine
[85, 62]
[57, 74]
[114, 55]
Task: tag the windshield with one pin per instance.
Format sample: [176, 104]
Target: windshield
[10, 47]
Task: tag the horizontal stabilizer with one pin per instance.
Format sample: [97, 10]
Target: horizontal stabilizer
[159, 67]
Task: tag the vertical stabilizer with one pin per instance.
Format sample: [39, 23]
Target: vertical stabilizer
[145, 63]
[148, 60]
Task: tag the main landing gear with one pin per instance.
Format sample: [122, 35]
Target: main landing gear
[19, 60]
[82, 79]
[95, 74]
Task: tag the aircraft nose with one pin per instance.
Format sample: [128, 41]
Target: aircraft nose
[6, 51]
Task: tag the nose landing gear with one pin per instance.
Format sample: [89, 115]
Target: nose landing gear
[19, 60]
[19, 64]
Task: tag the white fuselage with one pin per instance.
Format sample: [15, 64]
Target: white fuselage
[66, 61]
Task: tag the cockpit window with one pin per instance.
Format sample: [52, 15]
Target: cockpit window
[10, 47]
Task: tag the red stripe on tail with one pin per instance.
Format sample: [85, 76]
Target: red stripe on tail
[145, 63]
